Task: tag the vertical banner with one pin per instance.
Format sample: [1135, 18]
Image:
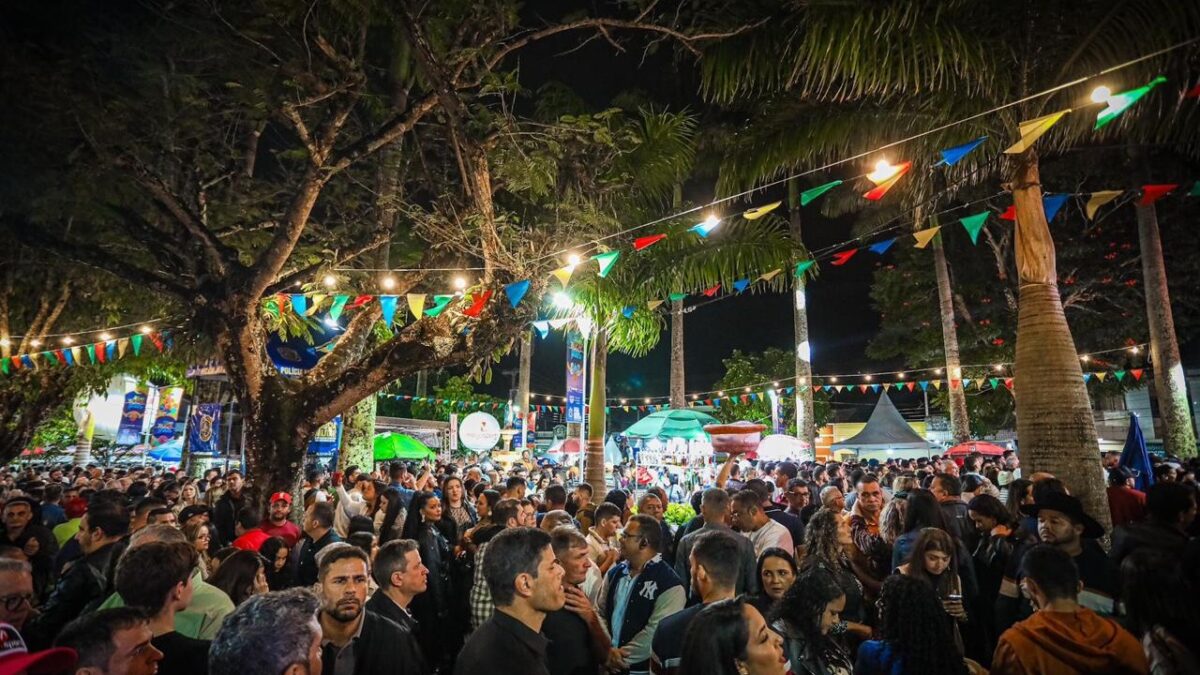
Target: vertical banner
[327, 439]
[133, 416]
[167, 413]
[574, 377]
[453, 432]
[530, 429]
[204, 429]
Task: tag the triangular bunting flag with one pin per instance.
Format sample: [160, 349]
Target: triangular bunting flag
[1119, 103]
[1153, 193]
[91, 352]
[516, 290]
[4, 364]
[710, 292]
[1087, 377]
[705, 228]
[803, 266]
[1099, 199]
[77, 352]
[875, 388]
[740, 285]
[1008, 383]
[1101, 375]
[110, 350]
[1051, 204]
[924, 385]
[1010, 213]
[877, 193]
[937, 384]
[644, 242]
[881, 247]
[965, 383]
[862, 388]
[774, 273]
[950, 156]
[925, 236]
[606, 260]
[477, 306]
[122, 345]
[974, 224]
[995, 382]
[760, 211]
[675, 297]
[299, 303]
[627, 311]
[359, 301]
[27, 362]
[827, 387]
[156, 338]
[64, 357]
[563, 274]
[653, 304]
[387, 303]
[1120, 374]
[842, 257]
[911, 386]
[416, 305]
[440, 303]
[1031, 130]
[1195, 192]
[339, 304]
[812, 193]
[955, 384]
[557, 324]
[136, 341]
[1137, 374]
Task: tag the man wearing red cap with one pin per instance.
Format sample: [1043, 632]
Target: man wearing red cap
[15, 658]
[278, 525]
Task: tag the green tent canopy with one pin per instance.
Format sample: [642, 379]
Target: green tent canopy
[685, 423]
[392, 445]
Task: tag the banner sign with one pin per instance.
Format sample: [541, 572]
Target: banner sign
[133, 416]
[574, 377]
[204, 429]
[165, 417]
[327, 439]
[453, 432]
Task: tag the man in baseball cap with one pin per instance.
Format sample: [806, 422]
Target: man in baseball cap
[277, 523]
[16, 659]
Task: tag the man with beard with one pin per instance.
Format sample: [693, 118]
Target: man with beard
[277, 524]
[229, 505]
[401, 576]
[355, 640]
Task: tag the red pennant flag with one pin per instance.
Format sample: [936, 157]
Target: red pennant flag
[911, 385]
[644, 242]
[843, 257]
[1194, 92]
[360, 301]
[154, 337]
[1153, 193]
[708, 401]
[1137, 373]
[1008, 382]
[1010, 213]
[745, 398]
[710, 292]
[58, 355]
[100, 350]
[863, 388]
[876, 193]
[955, 384]
[477, 307]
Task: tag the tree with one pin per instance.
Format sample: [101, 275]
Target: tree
[226, 145]
[449, 394]
[750, 370]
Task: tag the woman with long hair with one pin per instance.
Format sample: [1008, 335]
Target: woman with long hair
[1161, 607]
[279, 574]
[913, 633]
[483, 510]
[827, 543]
[391, 526]
[199, 535]
[241, 575]
[922, 511]
[809, 619]
[432, 609]
[776, 573]
[891, 520]
[1020, 493]
[731, 637]
[189, 495]
[458, 515]
[991, 555]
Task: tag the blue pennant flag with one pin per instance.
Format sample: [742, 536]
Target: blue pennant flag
[110, 350]
[789, 390]
[516, 292]
[716, 403]
[882, 246]
[740, 285]
[627, 312]
[828, 387]
[924, 384]
[1051, 204]
[966, 383]
[67, 355]
[299, 303]
[875, 388]
[753, 397]
[1087, 377]
[542, 327]
[388, 304]
[950, 156]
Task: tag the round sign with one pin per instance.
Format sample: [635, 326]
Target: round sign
[479, 431]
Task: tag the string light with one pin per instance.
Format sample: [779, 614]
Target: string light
[330, 281]
[1133, 349]
[1101, 94]
[833, 379]
[900, 375]
[774, 384]
[937, 371]
[35, 342]
[867, 378]
[460, 283]
[105, 336]
[998, 367]
[68, 340]
[573, 260]
[623, 401]
[747, 389]
[4, 342]
[146, 330]
[647, 401]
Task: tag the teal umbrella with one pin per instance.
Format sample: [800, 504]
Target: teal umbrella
[393, 445]
[687, 424]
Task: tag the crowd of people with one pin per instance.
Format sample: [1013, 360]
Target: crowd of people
[925, 566]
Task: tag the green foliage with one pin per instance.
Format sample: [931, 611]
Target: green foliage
[456, 388]
[57, 432]
[679, 514]
[752, 370]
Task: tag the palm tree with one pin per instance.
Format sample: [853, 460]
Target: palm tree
[943, 54]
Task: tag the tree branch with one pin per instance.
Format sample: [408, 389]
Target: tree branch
[377, 239]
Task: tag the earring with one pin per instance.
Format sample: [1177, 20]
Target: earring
[742, 668]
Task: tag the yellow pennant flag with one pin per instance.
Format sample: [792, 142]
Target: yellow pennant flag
[925, 236]
[1099, 199]
[122, 345]
[416, 304]
[760, 211]
[653, 304]
[563, 274]
[937, 384]
[770, 275]
[1031, 130]
[1101, 375]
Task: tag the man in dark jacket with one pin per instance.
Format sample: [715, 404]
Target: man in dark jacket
[228, 506]
[24, 530]
[84, 583]
[318, 533]
[354, 639]
[947, 489]
[401, 577]
[1171, 508]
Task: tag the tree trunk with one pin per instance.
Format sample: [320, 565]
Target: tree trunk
[276, 433]
[524, 368]
[1179, 437]
[678, 392]
[422, 383]
[1055, 428]
[960, 424]
[358, 435]
[594, 471]
[806, 429]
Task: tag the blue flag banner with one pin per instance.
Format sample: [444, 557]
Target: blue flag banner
[882, 246]
[951, 156]
[204, 429]
[1052, 204]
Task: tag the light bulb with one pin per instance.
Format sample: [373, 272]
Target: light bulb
[146, 330]
[998, 367]
[35, 342]
[882, 166]
[720, 393]
[330, 281]
[774, 384]
[695, 396]
[833, 379]
[803, 380]
[1133, 349]
[460, 283]
[711, 221]
[573, 259]
[937, 371]
[747, 389]
[883, 171]
[68, 340]
[900, 376]
[105, 336]
[623, 401]
[387, 283]
[867, 378]
[647, 401]
[1085, 358]
[1101, 94]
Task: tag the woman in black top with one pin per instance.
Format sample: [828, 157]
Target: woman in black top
[809, 619]
[432, 609]
[279, 572]
[776, 573]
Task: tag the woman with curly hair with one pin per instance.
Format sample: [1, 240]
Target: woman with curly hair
[891, 520]
[809, 619]
[914, 632]
[730, 637]
[827, 543]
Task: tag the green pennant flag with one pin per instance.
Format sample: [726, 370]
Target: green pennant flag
[974, 224]
[1195, 190]
[1119, 103]
[272, 307]
[339, 303]
[677, 296]
[1120, 375]
[4, 365]
[606, 260]
[812, 193]
[91, 351]
[136, 341]
[440, 303]
[803, 266]
[995, 382]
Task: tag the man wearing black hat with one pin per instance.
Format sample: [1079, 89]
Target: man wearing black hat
[1125, 504]
[1062, 523]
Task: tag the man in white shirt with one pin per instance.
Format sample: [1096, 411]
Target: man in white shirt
[356, 502]
[750, 519]
[602, 537]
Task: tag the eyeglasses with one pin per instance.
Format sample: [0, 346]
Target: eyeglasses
[14, 602]
[629, 535]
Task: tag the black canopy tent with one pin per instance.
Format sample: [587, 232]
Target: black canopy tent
[886, 430]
